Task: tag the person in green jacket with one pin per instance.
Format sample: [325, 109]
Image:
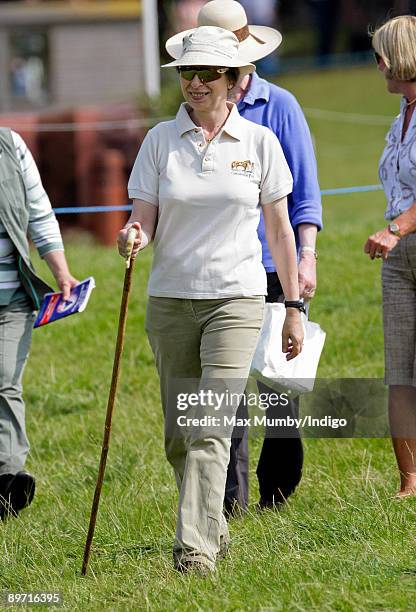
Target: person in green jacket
[25, 210]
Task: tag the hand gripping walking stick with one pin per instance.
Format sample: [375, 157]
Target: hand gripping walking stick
[112, 395]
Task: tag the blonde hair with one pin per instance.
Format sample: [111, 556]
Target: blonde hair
[395, 42]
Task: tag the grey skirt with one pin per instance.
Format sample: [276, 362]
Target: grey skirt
[399, 313]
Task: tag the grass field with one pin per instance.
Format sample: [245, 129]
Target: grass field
[340, 544]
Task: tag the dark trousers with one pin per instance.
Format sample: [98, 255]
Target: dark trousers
[279, 469]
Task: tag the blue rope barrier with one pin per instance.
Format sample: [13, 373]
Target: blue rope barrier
[127, 207]
[342, 190]
[90, 209]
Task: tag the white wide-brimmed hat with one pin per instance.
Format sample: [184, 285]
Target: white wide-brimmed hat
[255, 41]
[211, 46]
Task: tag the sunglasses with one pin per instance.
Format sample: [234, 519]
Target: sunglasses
[205, 74]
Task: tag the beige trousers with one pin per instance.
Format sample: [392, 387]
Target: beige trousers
[201, 346]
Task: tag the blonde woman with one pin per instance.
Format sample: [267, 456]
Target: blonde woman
[394, 45]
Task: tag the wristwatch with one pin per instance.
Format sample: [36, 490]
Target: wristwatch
[308, 249]
[395, 229]
[299, 304]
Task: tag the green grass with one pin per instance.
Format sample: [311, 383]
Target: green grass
[341, 543]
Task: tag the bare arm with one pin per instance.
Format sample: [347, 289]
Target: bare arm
[144, 219]
[281, 241]
[56, 261]
[381, 243]
[407, 221]
[307, 262]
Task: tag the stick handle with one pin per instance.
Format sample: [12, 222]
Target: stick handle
[109, 415]
[131, 237]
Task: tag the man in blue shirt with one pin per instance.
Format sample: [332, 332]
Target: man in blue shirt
[280, 465]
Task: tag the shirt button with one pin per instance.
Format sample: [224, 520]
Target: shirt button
[196, 131]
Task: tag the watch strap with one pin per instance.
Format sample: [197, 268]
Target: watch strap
[395, 229]
[308, 249]
[299, 304]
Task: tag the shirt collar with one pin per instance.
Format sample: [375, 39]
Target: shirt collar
[232, 126]
[403, 104]
[259, 90]
[183, 121]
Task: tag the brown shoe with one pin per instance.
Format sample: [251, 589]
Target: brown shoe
[405, 493]
[224, 546]
[198, 567]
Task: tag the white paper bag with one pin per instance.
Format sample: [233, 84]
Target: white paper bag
[269, 364]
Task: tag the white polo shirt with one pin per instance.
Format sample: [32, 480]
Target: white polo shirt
[209, 197]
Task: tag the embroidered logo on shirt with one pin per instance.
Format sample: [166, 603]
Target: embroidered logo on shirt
[243, 168]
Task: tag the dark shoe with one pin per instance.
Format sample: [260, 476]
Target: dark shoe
[269, 504]
[16, 493]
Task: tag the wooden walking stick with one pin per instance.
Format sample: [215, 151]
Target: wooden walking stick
[111, 396]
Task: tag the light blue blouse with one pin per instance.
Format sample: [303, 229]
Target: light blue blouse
[397, 167]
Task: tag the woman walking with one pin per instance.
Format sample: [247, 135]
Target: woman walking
[197, 186]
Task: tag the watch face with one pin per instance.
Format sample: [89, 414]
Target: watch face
[394, 228]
